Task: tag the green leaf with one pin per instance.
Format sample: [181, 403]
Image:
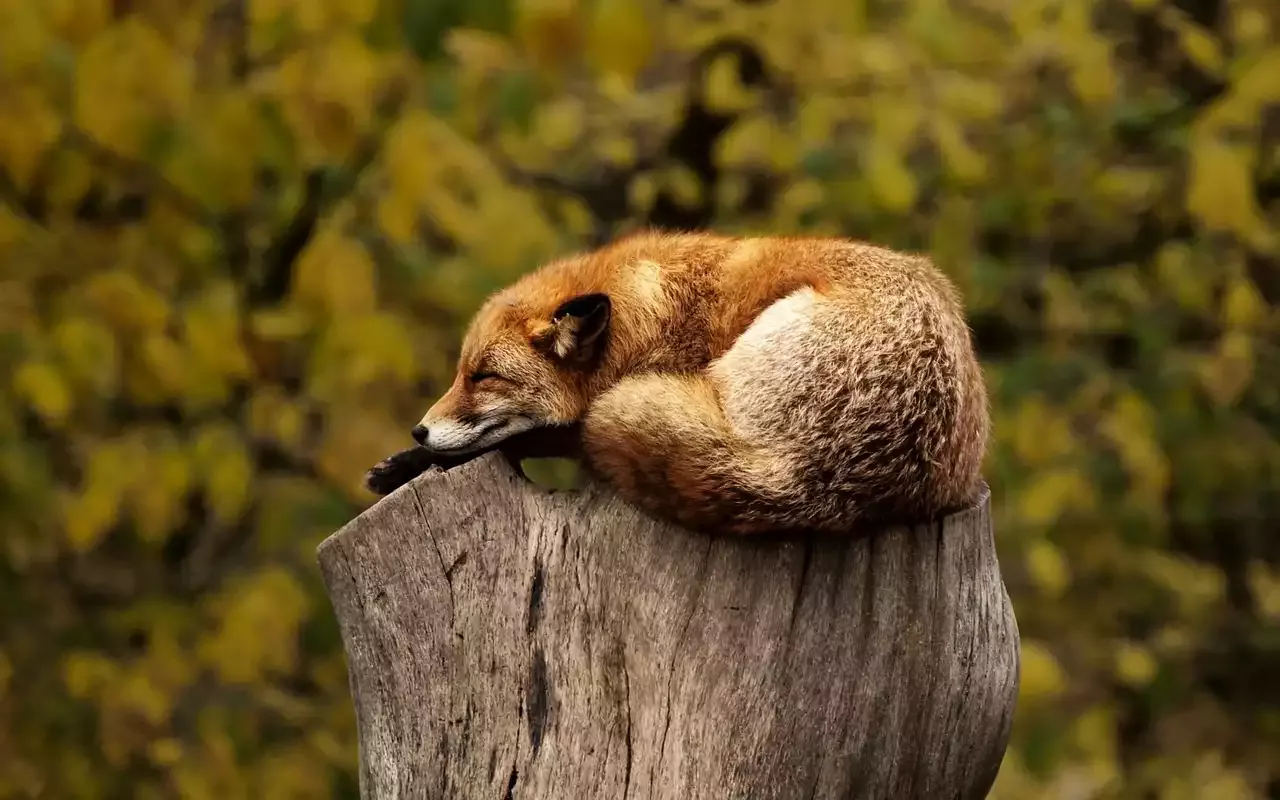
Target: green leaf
[517, 98]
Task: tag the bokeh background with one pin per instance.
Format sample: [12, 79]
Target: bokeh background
[239, 238]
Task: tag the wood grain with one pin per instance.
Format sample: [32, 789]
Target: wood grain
[506, 642]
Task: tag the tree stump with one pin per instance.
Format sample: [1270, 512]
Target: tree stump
[507, 642]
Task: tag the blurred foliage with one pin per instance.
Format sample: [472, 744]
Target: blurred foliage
[238, 241]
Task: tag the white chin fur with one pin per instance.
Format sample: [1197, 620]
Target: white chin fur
[456, 438]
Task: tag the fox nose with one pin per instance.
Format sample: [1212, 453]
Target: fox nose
[420, 434]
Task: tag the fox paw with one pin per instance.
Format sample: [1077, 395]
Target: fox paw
[391, 473]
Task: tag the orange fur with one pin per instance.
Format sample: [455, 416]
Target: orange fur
[737, 385]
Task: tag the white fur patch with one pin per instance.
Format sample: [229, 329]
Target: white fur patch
[646, 282]
[566, 336]
[763, 364]
[792, 313]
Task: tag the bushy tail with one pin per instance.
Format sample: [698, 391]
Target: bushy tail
[664, 444]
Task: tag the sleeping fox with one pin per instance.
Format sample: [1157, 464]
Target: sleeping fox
[729, 385]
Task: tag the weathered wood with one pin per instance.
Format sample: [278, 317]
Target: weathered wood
[506, 642]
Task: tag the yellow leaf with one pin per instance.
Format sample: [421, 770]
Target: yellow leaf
[137, 693]
[280, 324]
[219, 167]
[817, 119]
[1094, 735]
[551, 32]
[257, 622]
[1227, 373]
[1064, 310]
[92, 511]
[23, 146]
[883, 55]
[1197, 43]
[1198, 589]
[642, 191]
[1264, 582]
[225, 470]
[1135, 666]
[166, 370]
[896, 126]
[85, 672]
[408, 156]
[1130, 425]
[165, 752]
[620, 39]
[349, 13]
[76, 21]
[479, 52]
[1180, 275]
[1243, 306]
[45, 390]
[397, 218]
[1250, 27]
[684, 185]
[158, 495]
[1041, 677]
[335, 275]
[89, 353]
[1048, 568]
[576, 215]
[723, 92]
[801, 197]
[127, 79]
[1051, 493]
[965, 163]
[1220, 190]
[211, 332]
[126, 303]
[267, 12]
[731, 191]
[328, 94]
[276, 418]
[13, 229]
[24, 37]
[756, 140]
[560, 123]
[890, 180]
[619, 151]
[1093, 75]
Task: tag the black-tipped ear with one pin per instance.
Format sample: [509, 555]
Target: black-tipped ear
[579, 326]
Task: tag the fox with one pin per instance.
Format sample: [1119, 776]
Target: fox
[727, 384]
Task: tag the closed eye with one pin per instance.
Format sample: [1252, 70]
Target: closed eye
[478, 377]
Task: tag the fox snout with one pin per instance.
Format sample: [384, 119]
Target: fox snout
[446, 435]
[452, 435]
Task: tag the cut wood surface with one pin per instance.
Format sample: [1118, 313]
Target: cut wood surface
[507, 642]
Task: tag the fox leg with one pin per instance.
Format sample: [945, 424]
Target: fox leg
[664, 443]
[396, 470]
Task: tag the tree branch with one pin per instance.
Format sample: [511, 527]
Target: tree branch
[145, 175]
[322, 192]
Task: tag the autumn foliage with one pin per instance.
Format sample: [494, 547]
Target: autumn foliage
[238, 241]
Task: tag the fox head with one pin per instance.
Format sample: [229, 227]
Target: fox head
[519, 369]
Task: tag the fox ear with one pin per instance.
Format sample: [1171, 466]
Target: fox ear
[578, 328]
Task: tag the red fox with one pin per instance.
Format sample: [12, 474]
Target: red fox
[729, 385]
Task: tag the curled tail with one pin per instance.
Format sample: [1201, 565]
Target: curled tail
[664, 443]
[825, 414]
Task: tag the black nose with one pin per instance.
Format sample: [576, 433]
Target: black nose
[420, 434]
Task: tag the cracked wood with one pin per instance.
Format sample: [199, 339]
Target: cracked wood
[505, 642]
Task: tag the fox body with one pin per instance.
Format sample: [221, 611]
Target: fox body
[729, 384]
